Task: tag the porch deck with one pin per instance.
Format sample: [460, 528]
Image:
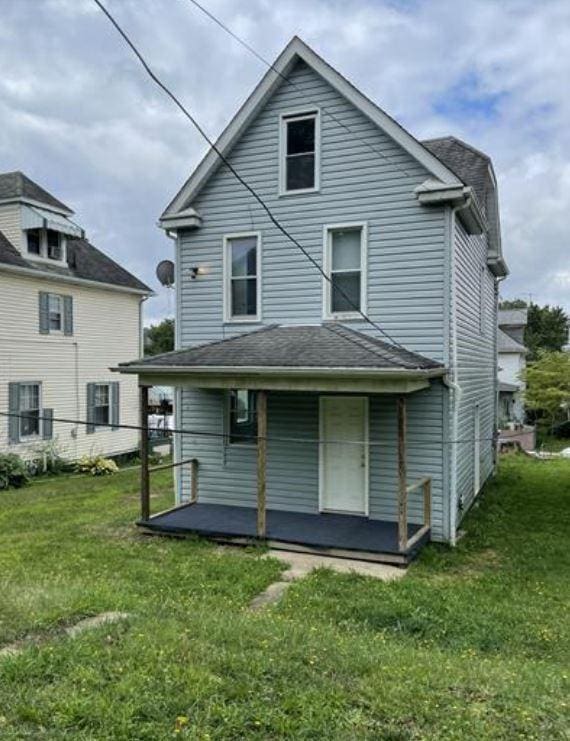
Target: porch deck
[348, 536]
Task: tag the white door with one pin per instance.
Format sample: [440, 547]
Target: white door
[477, 450]
[344, 460]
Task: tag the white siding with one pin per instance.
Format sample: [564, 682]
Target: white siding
[10, 223]
[106, 332]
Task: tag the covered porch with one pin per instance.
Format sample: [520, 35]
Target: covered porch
[376, 371]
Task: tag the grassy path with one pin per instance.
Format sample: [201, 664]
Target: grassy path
[474, 643]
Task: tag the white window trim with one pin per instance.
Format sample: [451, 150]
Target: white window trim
[327, 266]
[37, 435]
[109, 406]
[61, 313]
[43, 256]
[227, 266]
[296, 115]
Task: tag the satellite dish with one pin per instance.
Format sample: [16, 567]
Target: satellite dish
[165, 273]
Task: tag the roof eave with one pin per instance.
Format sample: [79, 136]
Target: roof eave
[432, 193]
[312, 371]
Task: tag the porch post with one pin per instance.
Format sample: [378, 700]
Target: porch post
[145, 476]
[402, 476]
[261, 461]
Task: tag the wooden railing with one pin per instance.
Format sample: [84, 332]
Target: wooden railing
[405, 542]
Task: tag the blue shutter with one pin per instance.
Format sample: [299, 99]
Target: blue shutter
[44, 312]
[67, 315]
[47, 424]
[90, 408]
[14, 408]
[114, 391]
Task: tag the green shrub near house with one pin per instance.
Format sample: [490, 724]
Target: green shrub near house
[13, 471]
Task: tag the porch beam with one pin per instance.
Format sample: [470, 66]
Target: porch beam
[402, 475]
[261, 462]
[144, 448]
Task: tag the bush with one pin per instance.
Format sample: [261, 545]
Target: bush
[13, 471]
[96, 465]
[562, 431]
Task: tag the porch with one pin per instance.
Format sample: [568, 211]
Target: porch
[338, 535]
[324, 468]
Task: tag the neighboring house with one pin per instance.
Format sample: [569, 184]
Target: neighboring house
[270, 358]
[67, 313]
[512, 362]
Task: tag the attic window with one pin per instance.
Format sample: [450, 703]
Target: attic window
[53, 244]
[300, 151]
[34, 242]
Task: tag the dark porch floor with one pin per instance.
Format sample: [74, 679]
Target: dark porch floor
[343, 535]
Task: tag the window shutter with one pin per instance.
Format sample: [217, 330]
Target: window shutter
[47, 424]
[90, 408]
[44, 312]
[68, 315]
[114, 404]
[14, 408]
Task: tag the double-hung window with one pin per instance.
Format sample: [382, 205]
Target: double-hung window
[55, 309]
[243, 417]
[30, 405]
[34, 237]
[345, 266]
[300, 152]
[242, 271]
[101, 406]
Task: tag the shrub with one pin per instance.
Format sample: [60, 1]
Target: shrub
[13, 471]
[96, 465]
[47, 460]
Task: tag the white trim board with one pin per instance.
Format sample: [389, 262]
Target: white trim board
[297, 49]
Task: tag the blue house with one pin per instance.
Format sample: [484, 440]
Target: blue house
[336, 387]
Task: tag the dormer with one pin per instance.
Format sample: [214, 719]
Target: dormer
[36, 223]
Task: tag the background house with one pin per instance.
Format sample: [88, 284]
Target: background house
[67, 313]
[512, 362]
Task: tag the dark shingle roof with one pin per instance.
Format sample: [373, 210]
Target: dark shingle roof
[9, 255]
[327, 346]
[18, 185]
[468, 163]
[83, 261]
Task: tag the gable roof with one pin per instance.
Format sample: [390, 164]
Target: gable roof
[84, 262]
[469, 164]
[505, 343]
[297, 49]
[16, 185]
[326, 346]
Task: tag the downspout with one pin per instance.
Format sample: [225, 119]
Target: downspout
[498, 280]
[451, 379]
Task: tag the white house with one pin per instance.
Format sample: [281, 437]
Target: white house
[511, 362]
[67, 314]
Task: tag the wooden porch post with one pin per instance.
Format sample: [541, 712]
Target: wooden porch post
[145, 476]
[402, 476]
[261, 461]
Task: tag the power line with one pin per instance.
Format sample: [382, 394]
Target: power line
[270, 66]
[239, 178]
[226, 435]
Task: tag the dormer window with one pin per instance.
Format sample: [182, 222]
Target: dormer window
[34, 241]
[47, 244]
[53, 240]
[300, 153]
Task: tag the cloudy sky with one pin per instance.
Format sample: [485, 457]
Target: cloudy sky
[80, 117]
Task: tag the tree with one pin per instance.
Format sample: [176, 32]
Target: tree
[546, 329]
[159, 338]
[548, 386]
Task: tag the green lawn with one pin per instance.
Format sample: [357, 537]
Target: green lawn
[472, 644]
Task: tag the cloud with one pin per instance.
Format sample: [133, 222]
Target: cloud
[80, 116]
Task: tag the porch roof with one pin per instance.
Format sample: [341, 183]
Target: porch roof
[292, 357]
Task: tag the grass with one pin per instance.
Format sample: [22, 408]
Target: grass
[553, 444]
[473, 643]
